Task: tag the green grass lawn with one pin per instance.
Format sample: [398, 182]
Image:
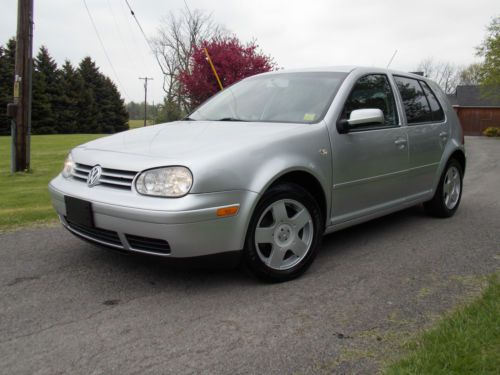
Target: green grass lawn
[132, 124]
[24, 199]
[465, 342]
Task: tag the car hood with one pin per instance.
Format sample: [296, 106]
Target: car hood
[221, 155]
[182, 139]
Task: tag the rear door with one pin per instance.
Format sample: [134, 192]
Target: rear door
[369, 162]
[428, 133]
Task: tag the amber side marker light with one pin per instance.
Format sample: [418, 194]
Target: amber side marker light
[227, 211]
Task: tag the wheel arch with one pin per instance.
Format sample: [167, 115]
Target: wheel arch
[457, 153]
[459, 156]
[306, 180]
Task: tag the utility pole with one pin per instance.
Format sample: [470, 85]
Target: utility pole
[146, 79]
[20, 109]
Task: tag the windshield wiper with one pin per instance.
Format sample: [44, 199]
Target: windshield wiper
[188, 119]
[229, 119]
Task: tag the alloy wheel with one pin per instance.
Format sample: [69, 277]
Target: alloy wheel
[452, 187]
[284, 234]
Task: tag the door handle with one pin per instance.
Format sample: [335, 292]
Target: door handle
[443, 135]
[401, 143]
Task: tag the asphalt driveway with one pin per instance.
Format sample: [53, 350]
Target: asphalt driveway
[69, 308]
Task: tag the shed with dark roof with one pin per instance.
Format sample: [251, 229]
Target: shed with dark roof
[475, 111]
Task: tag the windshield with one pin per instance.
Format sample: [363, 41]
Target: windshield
[283, 97]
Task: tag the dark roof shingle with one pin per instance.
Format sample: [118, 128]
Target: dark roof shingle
[470, 96]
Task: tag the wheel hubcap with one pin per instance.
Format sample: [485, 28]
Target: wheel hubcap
[452, 187]
[284, 234]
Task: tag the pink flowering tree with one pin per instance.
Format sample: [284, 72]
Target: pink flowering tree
[233, 61]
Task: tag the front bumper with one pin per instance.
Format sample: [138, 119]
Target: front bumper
[189, 224]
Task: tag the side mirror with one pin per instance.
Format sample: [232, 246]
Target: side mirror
[367, 116]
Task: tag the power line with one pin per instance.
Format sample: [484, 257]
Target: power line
[104, 49]
[145, 36]
[189, 10]
[131, 31]
[139, 24]
[122, 39]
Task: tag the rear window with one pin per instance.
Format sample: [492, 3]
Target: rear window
[437, 111]
[416, 106]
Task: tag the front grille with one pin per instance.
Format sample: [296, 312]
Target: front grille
[116, 178]
[148, 244]
[103, 235]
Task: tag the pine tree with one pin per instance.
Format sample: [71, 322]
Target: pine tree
[7, 65]
[71, 99]
[108, 114]
[116, 116]
[89, 111]
[65, 100]
[46, 94]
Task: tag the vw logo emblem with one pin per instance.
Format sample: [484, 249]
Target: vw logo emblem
[94, 176]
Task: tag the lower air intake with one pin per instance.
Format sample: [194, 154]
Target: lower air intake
[152, 245]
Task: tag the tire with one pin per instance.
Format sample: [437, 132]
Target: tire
[284, 234]
[448, 193]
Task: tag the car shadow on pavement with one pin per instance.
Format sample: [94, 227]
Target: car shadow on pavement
[348, 239]
[347, 242]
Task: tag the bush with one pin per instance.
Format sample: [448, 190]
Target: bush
[492, 131]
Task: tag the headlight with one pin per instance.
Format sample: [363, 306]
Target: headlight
[165, 182]
[68, 166]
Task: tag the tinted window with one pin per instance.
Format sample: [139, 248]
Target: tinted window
[373, 91]
[437, 111]
[414, 101]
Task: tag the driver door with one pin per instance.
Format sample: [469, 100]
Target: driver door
[369, 162]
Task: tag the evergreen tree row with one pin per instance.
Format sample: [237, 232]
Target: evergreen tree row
[66, 99]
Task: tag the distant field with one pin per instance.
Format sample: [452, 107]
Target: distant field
[132, 124]
[24, 199]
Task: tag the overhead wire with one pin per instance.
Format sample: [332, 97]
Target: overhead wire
[151, 47]
[139, 25]
[131, 31]
[104, 50]
[134, 57]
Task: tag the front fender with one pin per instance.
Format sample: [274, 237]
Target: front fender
[254, 167]
[257, 168]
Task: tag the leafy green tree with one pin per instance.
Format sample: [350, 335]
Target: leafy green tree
[169, 111]
[7, 64]
[490, 50]
[136, 111]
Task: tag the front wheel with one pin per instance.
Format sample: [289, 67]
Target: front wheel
[449, 192]
[284, 234]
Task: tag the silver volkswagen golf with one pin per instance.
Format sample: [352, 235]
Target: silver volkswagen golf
[267, 167]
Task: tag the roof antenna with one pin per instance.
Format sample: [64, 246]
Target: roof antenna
[392, 58]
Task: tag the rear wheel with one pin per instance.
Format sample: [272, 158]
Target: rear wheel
[284, 233]
[449, 192]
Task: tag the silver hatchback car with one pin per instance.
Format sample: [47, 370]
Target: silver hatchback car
[267, 167]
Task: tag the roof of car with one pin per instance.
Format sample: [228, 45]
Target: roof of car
[347, 69]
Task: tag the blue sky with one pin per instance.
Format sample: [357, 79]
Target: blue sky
[296, 33]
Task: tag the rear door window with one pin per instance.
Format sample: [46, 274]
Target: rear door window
[415, 103]
[437, 111]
